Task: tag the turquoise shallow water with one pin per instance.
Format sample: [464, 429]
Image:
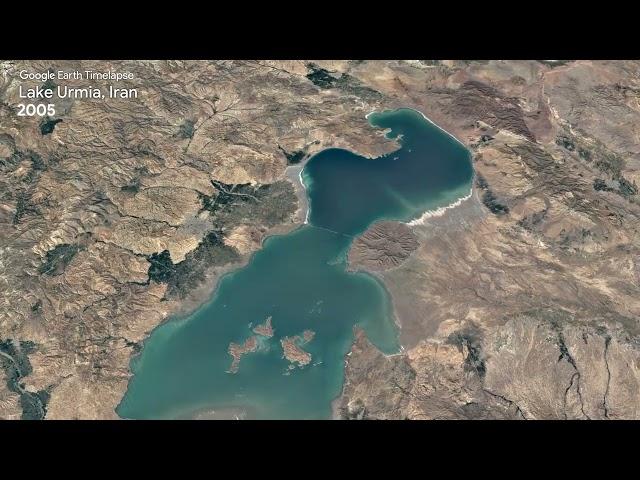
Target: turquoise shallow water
[300, 281]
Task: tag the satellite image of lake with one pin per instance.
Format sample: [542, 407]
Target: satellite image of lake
[299, 282]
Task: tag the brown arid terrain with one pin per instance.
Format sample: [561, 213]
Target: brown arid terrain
[523, 302]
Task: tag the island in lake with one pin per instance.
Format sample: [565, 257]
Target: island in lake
[265, 329]
[251, 344]
[292, 348]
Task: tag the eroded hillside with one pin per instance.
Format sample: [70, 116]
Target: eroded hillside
[523, 302]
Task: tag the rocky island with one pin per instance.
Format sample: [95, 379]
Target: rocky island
[238, 350]
[292, 348]
[265, 329]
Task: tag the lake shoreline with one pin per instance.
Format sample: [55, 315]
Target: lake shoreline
[422, 221]
[383, 327]
[440, 211]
